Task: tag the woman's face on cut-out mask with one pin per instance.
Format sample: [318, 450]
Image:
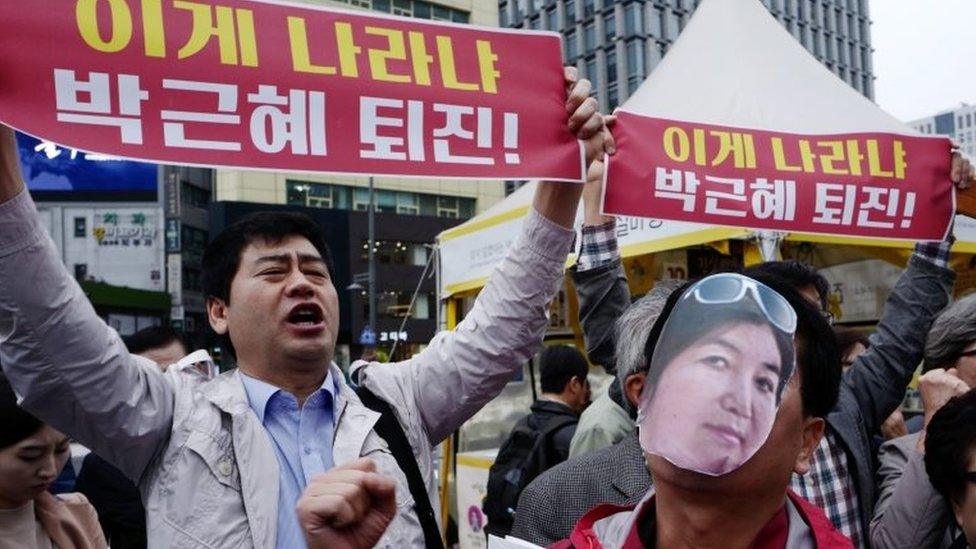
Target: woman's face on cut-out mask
[715, 402]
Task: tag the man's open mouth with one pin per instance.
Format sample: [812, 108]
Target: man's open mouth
[306, 315]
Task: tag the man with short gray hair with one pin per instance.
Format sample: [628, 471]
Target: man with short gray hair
[952, 340]
[910, 512]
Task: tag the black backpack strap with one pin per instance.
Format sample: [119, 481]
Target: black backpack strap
[390, 430]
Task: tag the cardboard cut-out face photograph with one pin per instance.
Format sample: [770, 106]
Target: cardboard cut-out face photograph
[717, 374]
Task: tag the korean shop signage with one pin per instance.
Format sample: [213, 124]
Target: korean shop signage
[257, 84]
[867, 184]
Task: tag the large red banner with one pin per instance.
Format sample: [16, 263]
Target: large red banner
[865, 184]
[257, 84]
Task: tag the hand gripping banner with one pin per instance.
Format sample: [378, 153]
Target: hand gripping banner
[270, 85]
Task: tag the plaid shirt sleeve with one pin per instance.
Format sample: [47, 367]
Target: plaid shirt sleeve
[598, 246]
[936, 253]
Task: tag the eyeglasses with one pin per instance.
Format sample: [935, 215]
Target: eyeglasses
[731, 288]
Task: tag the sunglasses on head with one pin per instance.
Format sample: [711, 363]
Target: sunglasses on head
[728, 288]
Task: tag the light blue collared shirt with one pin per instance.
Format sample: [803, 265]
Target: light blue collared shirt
[302, 440]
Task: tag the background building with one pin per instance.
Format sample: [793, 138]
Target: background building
[616, 44]
[959, 124]
[106, 223]
[185, 195]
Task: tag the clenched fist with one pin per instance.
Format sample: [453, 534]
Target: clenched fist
[937, 387]
[347, 508]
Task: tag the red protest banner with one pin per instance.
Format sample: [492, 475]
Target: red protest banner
[869, 185]
[257, 84]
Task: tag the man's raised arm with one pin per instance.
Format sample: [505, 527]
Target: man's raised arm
[461, 371]
[70, 368]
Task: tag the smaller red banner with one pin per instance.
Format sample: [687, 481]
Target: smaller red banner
[875, 185]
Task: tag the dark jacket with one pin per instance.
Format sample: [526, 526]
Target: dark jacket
[545, 411]
[870, 391]
[117, 500]
[550, 506]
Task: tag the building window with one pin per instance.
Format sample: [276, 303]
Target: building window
[635, 64]
[591, 74]
[613, 97]
[391, 252]
[609, 27]
[534, 23]
[969, 120]
[673, 27]
[318, 195]
[633, 20]
[503, 16]
[571, 51]
[396, 304]
[324, 195]
[570, 8]
[403, 7]
[448, 207]
[552, 20]
[657, 23]
[589, 6]
[194, 242]
[589, 37]
[81, 227]
[611, 67]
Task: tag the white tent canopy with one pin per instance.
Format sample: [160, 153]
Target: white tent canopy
[733, 65]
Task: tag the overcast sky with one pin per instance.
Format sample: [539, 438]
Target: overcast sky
[925, 55]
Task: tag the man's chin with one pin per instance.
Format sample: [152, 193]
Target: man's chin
[308, 353]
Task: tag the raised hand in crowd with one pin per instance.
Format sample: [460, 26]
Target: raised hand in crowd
[937, 387]
[962, 172]
[349, 507]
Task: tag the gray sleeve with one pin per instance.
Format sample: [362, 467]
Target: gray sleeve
[879, 377]
[909, 512]
[460, 371]
[534, 520]
[69, 368]
[603, 296]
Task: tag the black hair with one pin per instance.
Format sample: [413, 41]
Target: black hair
[15, 423]
[949, 440]
[848, 337]
[817, 355]
[153, 337]
[222, 257]
[558, 365]
[796, 274]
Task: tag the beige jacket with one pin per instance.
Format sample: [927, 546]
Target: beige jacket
[204, 463]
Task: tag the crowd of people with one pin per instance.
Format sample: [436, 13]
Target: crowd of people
[737, 415]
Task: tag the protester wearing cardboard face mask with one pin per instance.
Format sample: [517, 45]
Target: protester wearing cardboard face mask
[716, 381]
[738, 361]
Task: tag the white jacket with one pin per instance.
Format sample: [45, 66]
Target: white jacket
[204, 463]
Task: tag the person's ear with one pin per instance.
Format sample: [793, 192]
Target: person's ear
[958, 512]
[633, 387]
[576, 385]
[813, 431]
[217, 314]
